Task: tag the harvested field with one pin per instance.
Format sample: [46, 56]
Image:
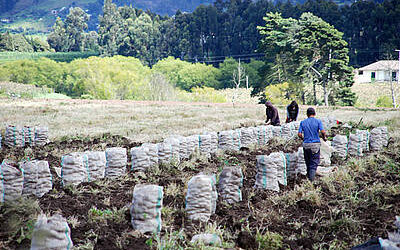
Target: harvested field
[355, 203]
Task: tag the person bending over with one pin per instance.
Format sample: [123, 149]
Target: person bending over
[272, 115]
[309, 133]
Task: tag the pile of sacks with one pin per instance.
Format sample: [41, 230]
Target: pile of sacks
[201, 197]
[90, 166]
[16, 136]
[146, 208]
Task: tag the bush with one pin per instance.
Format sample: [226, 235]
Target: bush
[280, 93]
[205, 94]
[384, 102]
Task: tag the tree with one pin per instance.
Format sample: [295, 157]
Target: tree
[109, 29]
[75, 26]
[14, 42]
[56, 38]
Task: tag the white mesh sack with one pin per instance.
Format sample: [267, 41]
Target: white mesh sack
[29, 136]
[14, 136]
[37, 178]
[379, 138]
[96, 164]
[264, 134]
[229, 140]
[205, 144]
[230, 184]
[206, 239]
[325, 153]
[248, 137]
[192, 143]
[140, 159]
[152, 153]
[339, 144]
[201, 198]
[279, 160]
[291, 164]
[117, 159]
[41, 136]
[366, 137]
[267, 173]
[146, 208]
[276, 131]
[214, 141]
[286, 131]
[74, 169]
[184, 152]
[301, 167]
[355, 146]
[12, 178]
[174, 143]
[164, 153]
[51, 233]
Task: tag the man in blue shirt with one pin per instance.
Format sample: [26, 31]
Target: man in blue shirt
[309, 133]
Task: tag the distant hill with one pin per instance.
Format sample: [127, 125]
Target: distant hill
[32, 16]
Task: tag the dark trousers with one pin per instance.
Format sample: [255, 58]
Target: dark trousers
[312, 162]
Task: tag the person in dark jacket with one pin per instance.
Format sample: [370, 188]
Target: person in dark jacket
[292, 112]
[272, 115]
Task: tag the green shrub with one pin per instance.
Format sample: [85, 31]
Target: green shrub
[269, 240]
[384, 102]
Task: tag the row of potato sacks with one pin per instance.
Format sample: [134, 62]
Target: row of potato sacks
[17, 136]
[23, 179]
[360, 142]
[89, 166]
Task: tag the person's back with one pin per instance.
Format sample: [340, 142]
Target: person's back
[272, 115]
[309, 131]
[292, 112]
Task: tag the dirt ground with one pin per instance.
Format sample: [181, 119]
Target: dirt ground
[303, 221]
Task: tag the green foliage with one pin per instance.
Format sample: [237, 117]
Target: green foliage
[187, 75]
[55, 56]
[269, 240]
[18, 42]
[280, 93]
[384, 102]
[204, 94]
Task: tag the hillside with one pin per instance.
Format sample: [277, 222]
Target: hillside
[34, 16]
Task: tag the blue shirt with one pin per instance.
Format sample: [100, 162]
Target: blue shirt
[310, 127]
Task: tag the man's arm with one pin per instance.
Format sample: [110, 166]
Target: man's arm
[300, 135]
[323, 132]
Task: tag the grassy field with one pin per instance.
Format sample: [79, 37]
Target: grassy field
[148, 121]
[368, 93]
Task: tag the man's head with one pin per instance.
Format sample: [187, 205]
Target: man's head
[268, 104]
[310, 112]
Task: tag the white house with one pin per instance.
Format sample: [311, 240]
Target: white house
[380, 71]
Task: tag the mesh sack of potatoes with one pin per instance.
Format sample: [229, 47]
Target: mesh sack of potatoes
[164, 153]
[140, 159]
[205, 144]
[184, 152]
[339, 144]
[201, 197]
[366, 137]
[279, 160]
[291, 164]
[206, 240]
[117, 159]
[301, 168]
[96, 163]
[214, 141]
[276, 131]
[192, 144]
[12, 178]
[14, 136]
[29, 136]
[174, 142]
[286, 131]
[146, 208]
[294, 127]
[74, 169]
[37, 178]
[152, 152]
[230, 184]
[248, 137]
[41, 136]
[325, 153]
[264, 134]
[355, 146]
[267, 173]
[51, 233]
[229, 140]
[379, 138]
